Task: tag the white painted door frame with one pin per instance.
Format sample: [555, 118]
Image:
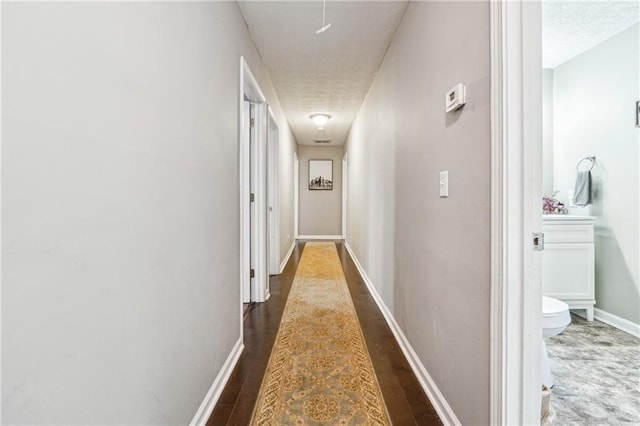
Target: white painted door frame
[516, 291]
[247, 138]
[296, 184]
[260, 284]
[250, 90]
[273, 195]
[345, 172]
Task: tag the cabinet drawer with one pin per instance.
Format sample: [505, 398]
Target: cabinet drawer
[561, 233]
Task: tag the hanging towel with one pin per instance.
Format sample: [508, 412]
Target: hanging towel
[582, 191]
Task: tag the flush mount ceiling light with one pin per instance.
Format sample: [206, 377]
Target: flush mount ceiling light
[324, 27]
[320, 120]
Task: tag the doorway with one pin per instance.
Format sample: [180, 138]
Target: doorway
[253, 189]
[591, 82]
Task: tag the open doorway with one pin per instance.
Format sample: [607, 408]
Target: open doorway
[253, 124]
[517, 258]
[591, 184]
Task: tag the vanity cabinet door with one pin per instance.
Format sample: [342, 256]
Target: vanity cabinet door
[568, 271]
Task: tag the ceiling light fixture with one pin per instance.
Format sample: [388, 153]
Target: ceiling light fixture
[324, 27]
[320, 120]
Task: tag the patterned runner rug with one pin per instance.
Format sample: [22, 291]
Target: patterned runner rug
[320, 372]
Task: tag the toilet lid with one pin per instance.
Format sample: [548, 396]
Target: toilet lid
[551, 306]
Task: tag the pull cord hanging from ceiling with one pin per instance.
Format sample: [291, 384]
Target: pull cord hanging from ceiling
[324, 27]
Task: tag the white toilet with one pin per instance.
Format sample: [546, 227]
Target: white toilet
[555, 318]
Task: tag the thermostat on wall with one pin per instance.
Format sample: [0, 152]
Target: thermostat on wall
[455, 98]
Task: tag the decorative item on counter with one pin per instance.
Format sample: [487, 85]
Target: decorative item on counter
[551, 205]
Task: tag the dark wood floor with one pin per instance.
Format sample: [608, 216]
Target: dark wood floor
[405, 399]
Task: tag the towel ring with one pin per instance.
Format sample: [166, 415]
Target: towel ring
[593, 163]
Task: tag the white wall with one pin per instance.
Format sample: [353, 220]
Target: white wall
[436, 281]
[286, 176]
[371, 147]
[120, 297]
[594, 97]
[320, 210]
[547, 132]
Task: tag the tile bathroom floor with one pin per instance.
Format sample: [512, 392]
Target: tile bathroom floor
[596, 371]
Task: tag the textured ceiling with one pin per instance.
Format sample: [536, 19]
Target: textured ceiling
[573, 27]
[329, 72]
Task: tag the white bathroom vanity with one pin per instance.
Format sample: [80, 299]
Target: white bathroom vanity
[568, 266]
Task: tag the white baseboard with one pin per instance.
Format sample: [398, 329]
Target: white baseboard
[617, 322]
[320, 237]
[442, 407]
[286, 258]
[210, 400]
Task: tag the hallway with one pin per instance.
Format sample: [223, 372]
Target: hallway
[161, 160]
[406, 402]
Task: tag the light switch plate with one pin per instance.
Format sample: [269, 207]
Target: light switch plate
[444, 184]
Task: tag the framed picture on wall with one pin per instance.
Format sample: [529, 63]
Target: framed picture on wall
[320, 174]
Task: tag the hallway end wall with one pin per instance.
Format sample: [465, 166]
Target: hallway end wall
[120, 208]
[320, 210]
[429, 257]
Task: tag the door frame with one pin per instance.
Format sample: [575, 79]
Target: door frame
[345, 172]
[250, 89]
[296, 185]
[249, 141]
[273, 198]
[516, 144]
